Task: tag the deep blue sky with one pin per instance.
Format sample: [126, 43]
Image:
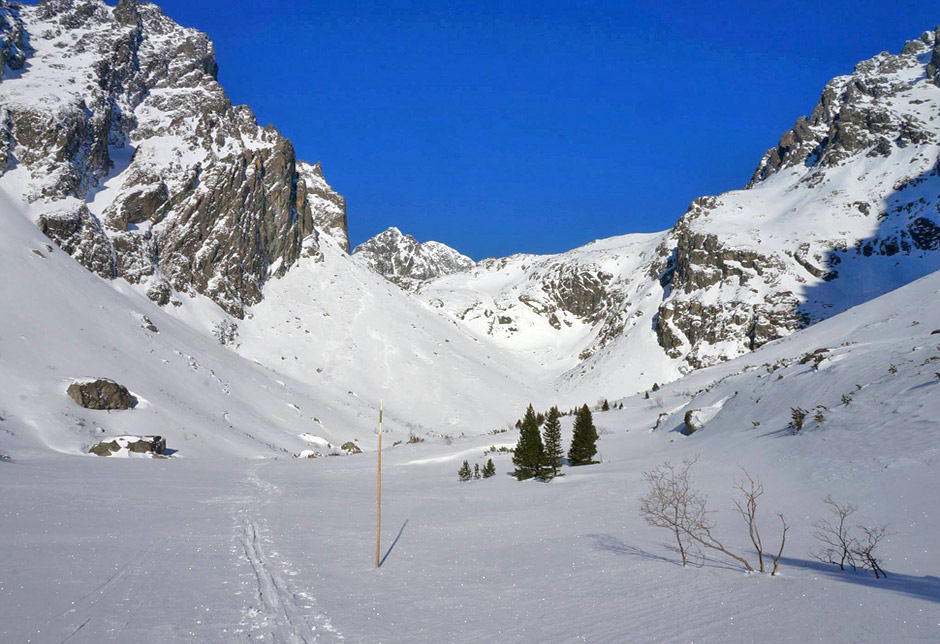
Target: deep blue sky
[536, 126]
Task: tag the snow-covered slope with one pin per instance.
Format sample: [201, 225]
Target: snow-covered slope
[305, 365]
[404, 260]
[282, 551]
[557, 311]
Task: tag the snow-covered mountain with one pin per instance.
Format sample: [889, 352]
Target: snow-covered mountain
[405, 261]
[114, 128]
[844, 209]
[122, 149]
[119, 143]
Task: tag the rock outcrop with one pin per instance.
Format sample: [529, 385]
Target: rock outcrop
[101, 393]
[153, 446]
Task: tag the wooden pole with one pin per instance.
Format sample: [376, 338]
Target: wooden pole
[378, 502]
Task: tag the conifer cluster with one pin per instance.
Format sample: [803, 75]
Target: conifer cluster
[466, 474]
[541, 454]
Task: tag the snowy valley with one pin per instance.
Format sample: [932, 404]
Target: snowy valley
[156, 236]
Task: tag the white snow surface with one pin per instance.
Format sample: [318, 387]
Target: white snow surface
[211, 548]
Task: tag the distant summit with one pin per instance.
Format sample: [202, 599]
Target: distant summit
[404, 260]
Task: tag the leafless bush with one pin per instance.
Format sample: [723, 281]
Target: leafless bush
[839, 546]
[865, 548]
[750, 491]
[672, 503]
[835, 535]
[783, 542]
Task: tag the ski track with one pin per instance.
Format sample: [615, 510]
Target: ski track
[89, 619]
[278, 613]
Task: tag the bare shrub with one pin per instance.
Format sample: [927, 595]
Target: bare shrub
[835, 535]
[839, 546]
[750, 491]
[783, 542]
[671, 502]
[865, 548]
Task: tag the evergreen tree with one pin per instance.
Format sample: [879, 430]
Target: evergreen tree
[584, 440]
[489, 469]
[476, 470]
[554, 451]
[529, 455]
[540, 419]
[605, 406]
[655, 387]
[464, 472]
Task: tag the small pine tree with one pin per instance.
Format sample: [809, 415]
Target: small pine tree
[529, 455]
[584, 440]
[540, 419]
[605, 406]
[655, 386]
[464, 472]
[554, 451]
[489, 469]
[621, 406]
[646, 396]
[476, 471]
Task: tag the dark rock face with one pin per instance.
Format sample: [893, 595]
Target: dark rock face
[933, 67]
[13, 48]
[79, 234]
[582, 292]
[206, 201]
[925, 234]
[100, 394]
[685, 325]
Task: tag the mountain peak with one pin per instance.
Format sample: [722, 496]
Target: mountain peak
[405, 261]
[865, 111]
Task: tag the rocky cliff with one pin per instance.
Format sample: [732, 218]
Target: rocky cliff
[843, 209]
[114, 129]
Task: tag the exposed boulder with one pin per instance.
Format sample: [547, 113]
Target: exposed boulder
[350, 448]
[692, 421]
[101, 393]
[147, 445]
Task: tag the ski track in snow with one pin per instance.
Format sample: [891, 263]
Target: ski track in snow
[95, 621]
[278, 611]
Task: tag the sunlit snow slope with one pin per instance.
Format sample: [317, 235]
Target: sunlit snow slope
[61, 322]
